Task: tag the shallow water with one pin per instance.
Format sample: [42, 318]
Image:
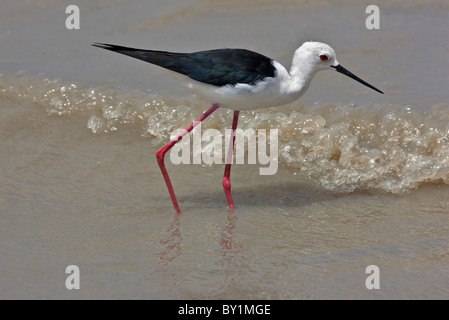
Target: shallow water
[362, 180]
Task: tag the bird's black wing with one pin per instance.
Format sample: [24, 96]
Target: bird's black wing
[216, 67]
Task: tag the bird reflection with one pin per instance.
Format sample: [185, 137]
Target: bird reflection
[172, 241]
[229, 246]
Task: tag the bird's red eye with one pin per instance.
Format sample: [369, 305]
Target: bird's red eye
[324, 57]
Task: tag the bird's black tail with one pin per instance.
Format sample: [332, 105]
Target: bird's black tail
[163, 59]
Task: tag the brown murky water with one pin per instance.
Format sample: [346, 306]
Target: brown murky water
[363, 179]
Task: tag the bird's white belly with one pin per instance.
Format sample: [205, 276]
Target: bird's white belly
[244, 96]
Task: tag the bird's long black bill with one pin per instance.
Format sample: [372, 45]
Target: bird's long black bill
[346, 72]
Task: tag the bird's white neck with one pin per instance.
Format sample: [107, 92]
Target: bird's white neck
[301, 74]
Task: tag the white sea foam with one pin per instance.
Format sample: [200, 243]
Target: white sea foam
[385, 148]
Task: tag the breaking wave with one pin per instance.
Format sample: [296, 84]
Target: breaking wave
[381, 148]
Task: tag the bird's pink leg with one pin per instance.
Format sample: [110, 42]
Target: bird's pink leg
[160, 154]
[227, 173]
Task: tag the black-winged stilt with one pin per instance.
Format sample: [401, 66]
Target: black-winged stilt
[238, 79]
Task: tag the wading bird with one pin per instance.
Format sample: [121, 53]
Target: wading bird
[238, 79]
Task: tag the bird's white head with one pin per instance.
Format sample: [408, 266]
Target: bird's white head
[318, 56]
[312, 57]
